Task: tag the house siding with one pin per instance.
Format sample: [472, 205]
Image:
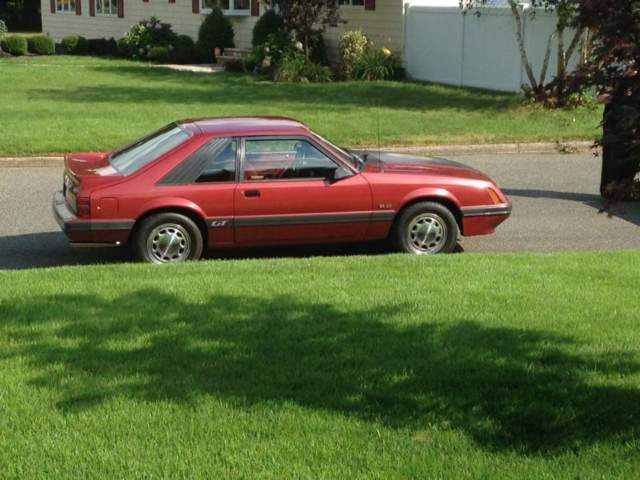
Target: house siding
[384, 25]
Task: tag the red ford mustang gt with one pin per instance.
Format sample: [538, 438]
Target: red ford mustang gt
[230, 182]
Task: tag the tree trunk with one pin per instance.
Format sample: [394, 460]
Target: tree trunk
[523, 51]
[547, 57]
[619, 162]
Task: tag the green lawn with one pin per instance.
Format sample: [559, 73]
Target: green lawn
[61, 104]
[464, 366]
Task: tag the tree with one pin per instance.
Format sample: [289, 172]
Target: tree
[553, 93]
[613, 69]
[307, 17]
[21, 14]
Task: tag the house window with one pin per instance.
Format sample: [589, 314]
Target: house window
[352, 3]
[107, 7]
[66, 6]
[228, 7]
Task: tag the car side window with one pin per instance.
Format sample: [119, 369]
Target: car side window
[285, 160]
[221, 167]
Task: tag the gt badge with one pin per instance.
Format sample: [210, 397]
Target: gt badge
[218, 223]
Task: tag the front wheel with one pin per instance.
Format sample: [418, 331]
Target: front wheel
[426, 228]
[168, 238]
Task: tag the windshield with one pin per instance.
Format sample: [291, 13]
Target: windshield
[353, 157]
[133, 157]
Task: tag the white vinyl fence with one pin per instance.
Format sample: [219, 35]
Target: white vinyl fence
[476, 48]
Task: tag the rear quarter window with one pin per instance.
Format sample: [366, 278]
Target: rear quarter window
[133, 157]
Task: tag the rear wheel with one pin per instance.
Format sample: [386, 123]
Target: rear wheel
[426, 228]
[168, 238]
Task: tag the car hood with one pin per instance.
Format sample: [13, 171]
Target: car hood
[387, 162]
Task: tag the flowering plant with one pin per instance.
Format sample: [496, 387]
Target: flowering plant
[147, 34]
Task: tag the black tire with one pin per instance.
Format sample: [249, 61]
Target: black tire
[163, 226]
[442, 236]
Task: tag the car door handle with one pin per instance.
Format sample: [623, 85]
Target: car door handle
[251, 193]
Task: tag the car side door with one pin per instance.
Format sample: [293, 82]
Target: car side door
[292, 190]
[207, 179]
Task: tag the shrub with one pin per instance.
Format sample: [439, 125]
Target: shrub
[158, 54]
[147, 34]
[102, 47]
[236, 65]
[14, 44]
[375, 64]
[216, 31]
[184, 50]
[41, 45]
[122, 48]
[268, 24]
[353, 47]
[267, 57]
[75, 45]
[297, 67]
[3, 29]
[317, 49]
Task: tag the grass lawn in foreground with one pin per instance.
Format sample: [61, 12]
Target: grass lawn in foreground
[463, 366]
[62, 103]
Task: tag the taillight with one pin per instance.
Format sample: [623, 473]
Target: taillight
[83, 206]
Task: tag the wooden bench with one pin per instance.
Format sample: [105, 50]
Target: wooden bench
[232, 54]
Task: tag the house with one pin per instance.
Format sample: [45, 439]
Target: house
[381, 20]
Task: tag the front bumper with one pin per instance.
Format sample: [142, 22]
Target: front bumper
[79, 231]
[483, 220]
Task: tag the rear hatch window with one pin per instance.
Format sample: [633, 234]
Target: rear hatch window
[133, 157]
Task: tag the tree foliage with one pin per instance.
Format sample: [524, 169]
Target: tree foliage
[613, 68]
[20, 15]
[554, 93]
[307, 17]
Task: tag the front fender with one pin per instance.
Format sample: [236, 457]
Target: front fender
[430, 193]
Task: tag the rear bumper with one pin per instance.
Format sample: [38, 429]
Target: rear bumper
[80, 231]
[483, 220]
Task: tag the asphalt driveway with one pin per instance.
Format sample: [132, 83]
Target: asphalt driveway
[556, 207]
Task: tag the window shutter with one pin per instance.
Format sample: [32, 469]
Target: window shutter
[78, 7]
[195, 6]
[369, 4]
[52, 4]
[145, 1]
[255, 8]
[170, 1]
[92, 8]
[121, 8]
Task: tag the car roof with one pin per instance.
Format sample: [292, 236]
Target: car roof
[229, 126]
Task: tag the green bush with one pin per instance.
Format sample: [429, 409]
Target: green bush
[317, 49]
[267, 57]
[102, 47]
[184, 50]
[41, 45]
[236, 65]
[353, 47]
[3, 29]
[268, 24]
[75, 45]
[216, 31]
[376, 64]
[14, 44]
[297, 67]
[148, 34]
[122, 48]
[158, 54]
